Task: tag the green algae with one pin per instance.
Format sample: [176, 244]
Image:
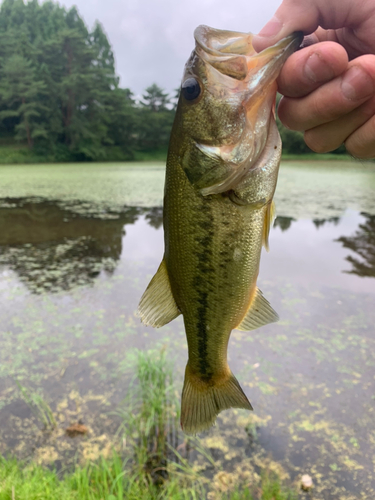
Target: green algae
[68, 330]
[101, 188]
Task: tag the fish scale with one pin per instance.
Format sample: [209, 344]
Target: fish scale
[209, 269]
[221, 176]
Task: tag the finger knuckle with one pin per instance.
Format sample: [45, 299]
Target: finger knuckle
[319, 108]
[318, 142]
[361, 144]
[287, 114]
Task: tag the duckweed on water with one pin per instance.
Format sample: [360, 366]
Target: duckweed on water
[108, 187]
[310, 377]
[148, 460]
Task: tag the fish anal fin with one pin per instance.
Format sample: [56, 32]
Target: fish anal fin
[268, 223]
[260, 313]
[157, 306]
[202, 401]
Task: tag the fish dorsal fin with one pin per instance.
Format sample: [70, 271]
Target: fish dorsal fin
[157, 306]
[268, 223]
[259, 314]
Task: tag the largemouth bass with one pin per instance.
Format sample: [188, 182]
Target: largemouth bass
[221, 176]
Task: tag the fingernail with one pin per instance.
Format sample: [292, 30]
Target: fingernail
[317, 70]
[271, 28]
[357, 84]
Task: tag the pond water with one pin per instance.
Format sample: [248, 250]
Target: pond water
[78, 245]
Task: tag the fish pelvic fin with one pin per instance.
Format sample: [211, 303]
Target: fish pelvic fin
[260, 313]
[202, 401]
[157, 306]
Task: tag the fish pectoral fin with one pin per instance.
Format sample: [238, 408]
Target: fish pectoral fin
[259, 314]
[157, 306]
[268, 223]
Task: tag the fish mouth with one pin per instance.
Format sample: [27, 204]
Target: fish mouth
[233, 63]
[232, 54]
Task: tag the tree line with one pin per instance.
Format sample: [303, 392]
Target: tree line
[60, 95]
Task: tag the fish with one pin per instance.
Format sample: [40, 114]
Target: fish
[221, 176]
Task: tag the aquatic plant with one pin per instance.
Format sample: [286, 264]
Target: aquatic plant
[111, 479]
[38, 406]
[149, 458]
[150, 424]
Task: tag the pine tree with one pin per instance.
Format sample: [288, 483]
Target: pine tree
[155, 99]
[20, 92]
[59, 92]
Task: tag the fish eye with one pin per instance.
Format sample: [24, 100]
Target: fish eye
[191, 89]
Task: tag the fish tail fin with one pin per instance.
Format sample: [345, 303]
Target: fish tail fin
[202, 401]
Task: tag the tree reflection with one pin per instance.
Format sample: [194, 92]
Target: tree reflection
[362, 243]
[154, 216]
[283, 223]
[321, 222]
[52, 248]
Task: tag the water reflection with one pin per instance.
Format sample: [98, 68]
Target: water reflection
[283, 223]
[154, 216]
[52, 248]
[320, 222]
[363, 244]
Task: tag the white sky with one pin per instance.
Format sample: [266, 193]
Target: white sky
[152, 39]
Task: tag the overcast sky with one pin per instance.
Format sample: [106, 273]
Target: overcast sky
[152, 39]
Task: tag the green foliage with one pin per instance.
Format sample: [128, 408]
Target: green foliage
[270, 488]
[155, 99]
[109, 479]
[59, 92]
[60, 95]
[155, 119]
[150, 465]
[38, 406]
[20, 98]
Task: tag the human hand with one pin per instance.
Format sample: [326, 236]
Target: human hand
[329, 86]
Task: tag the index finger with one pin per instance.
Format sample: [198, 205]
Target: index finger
[307, 69]
[307, 15]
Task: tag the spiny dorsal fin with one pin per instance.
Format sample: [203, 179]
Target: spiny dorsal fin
[268, 223]
[259, 314]
[157, 306]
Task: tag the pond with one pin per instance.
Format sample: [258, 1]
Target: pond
[78, 245]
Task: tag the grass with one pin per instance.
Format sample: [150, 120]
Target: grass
[158, 155]
[38, 406]
[316, 157]
[150, 413]
[270, 488]
[111, 479]
[150, 458]
[19, 153]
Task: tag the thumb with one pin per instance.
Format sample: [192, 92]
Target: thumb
[308, 15]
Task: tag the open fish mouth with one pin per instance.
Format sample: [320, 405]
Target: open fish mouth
[232, 54]
[233, 63]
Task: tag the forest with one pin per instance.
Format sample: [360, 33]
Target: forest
[61, 100]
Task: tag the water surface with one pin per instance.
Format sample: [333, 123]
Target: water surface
[78, 245]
